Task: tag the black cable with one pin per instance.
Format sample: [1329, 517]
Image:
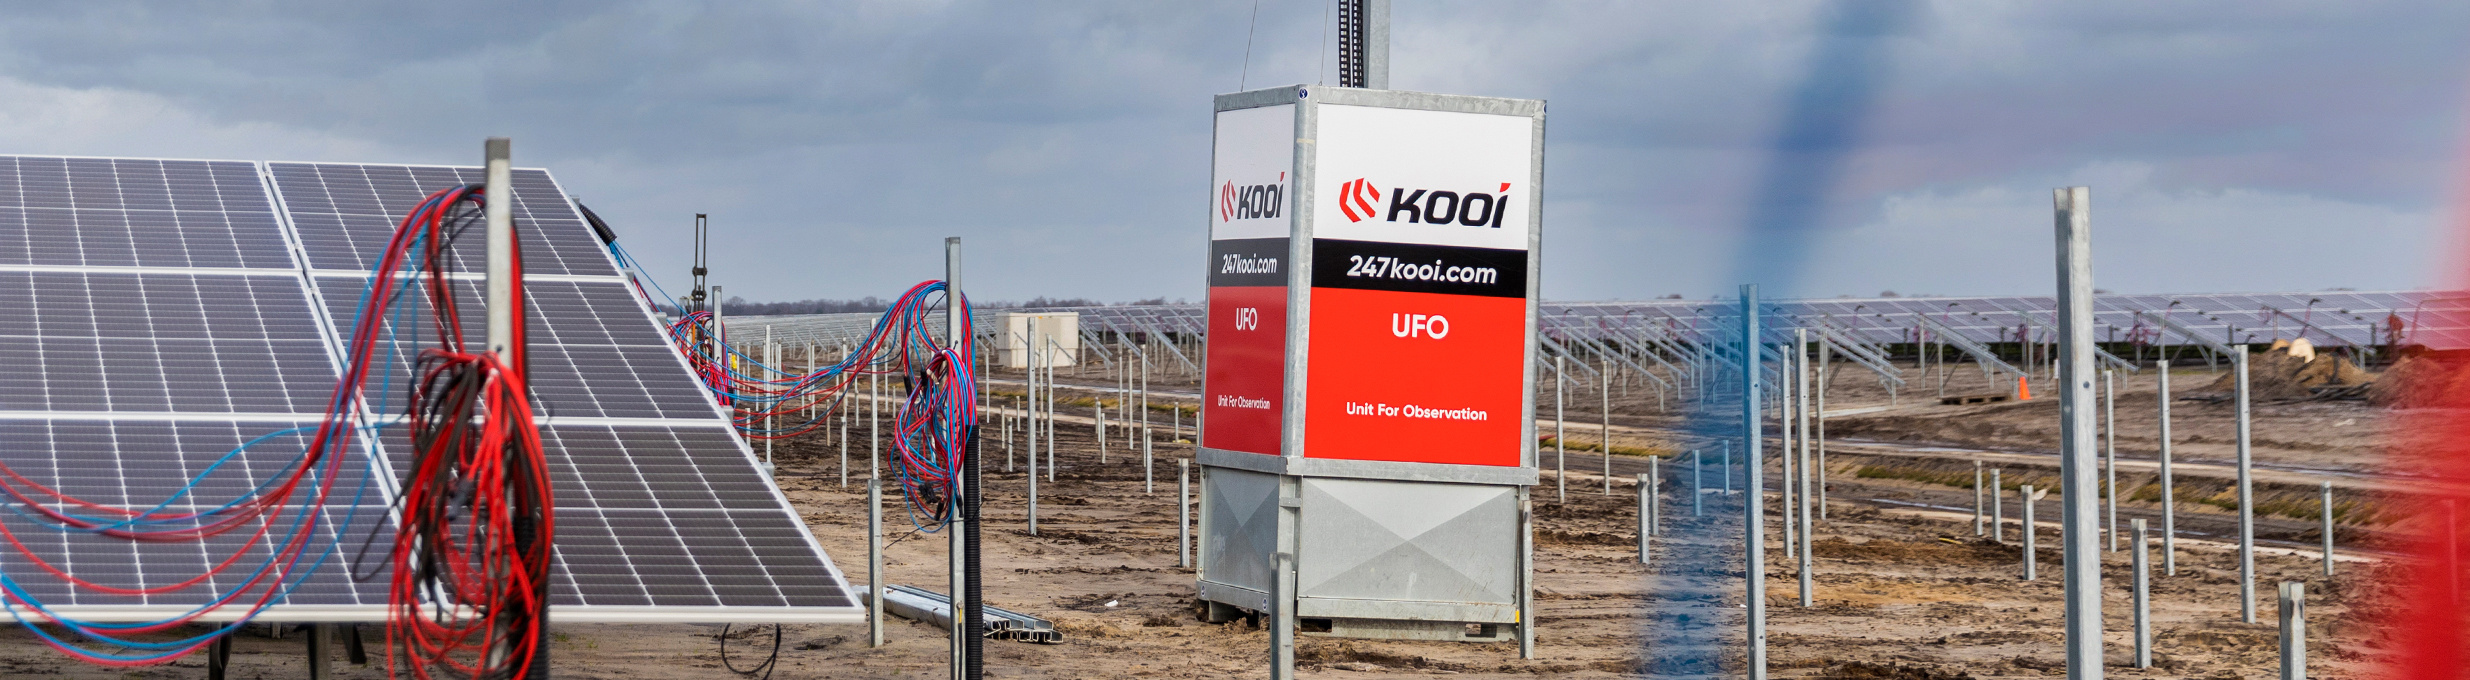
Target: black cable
[768, 662]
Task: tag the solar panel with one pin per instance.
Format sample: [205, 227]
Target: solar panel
[662, 514]
[346, 212]
[102, 212]
[167, 341]
[169, 316]
[133, 461]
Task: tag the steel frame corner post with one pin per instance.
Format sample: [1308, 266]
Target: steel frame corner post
[1754, 511]
[1283, 621]
[2078, 463]
[1526, 572]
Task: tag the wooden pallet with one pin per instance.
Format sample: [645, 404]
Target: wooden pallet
[1965, 399]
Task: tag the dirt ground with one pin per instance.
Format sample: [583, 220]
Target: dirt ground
[1903, 587]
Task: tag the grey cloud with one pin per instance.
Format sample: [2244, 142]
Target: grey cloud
[835, 142]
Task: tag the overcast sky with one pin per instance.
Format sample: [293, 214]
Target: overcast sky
[2250, 145]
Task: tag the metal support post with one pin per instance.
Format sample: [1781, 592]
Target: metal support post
[2109, 447]
[2079, 531]
[2293, 630]
[1728, 449]
[2032, 544]
[1097, 414]
[1526, 573]
[2143, 598]
[320, 637]
[1979, 495]
[2325, 504]
[1560, 428]
[874, 424]
[1646, 517]
[1998, 506]
[1183, 513]
[1282, 618]
[2169, 492]
[967, 608]
[2246, 500]
[874, 562]
[1801, 380]
[1785, 406]
[1754, 511]
[1149, 482]
[1819, 416]
[1605, 377]
[1698, 483]
[1655, 495]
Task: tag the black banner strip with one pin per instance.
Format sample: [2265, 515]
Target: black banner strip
[1418, 268]
[1248, 262]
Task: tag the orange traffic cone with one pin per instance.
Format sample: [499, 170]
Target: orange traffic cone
[2023, 390]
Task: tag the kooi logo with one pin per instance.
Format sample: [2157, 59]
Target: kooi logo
[1358, 199]
[1251, 202]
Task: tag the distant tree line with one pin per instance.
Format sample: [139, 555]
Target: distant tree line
[738, 306]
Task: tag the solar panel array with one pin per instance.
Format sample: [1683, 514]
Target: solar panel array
[2326, 318]
[181, 308]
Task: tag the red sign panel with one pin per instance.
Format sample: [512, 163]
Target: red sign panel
[1415, 377]
[1240, 410]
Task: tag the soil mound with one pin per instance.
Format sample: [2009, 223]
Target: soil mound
[2290, 372]
[2422, 381]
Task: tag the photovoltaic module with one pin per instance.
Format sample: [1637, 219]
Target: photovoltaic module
[170, 311]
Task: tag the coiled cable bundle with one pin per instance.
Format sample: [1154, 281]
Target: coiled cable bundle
[470, 559]
[931, 429]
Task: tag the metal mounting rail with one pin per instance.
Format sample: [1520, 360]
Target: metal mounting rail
[927, 606]
[1089, 340]
[1162, 338]
[2186, 331]
[2305, 325]
[1853, 348]
[1979, 352]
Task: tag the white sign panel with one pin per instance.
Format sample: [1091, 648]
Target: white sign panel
[1251, 174]
[1425, 177]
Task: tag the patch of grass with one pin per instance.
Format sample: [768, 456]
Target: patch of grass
[1544, 443]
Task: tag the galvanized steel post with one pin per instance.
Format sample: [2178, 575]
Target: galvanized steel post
[1560, 428]
[1655, 495]
[1183, 512]
[1801, 395]
[2293, 630]
[874, 562]
[1979, 495]
[1754, 509]
[2169, 494]
[1646, 516]
[1998, 506]
[2142, 562]
[2032, 544]
[2109, 447]
[1605, 377]
[2246, 499]
[2080, 528]
[2325, 504]
[1698, 483]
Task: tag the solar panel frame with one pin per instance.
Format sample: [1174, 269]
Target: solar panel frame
[563, 347]
[761, 573]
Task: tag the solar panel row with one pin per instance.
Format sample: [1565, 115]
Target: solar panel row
[167, 317]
